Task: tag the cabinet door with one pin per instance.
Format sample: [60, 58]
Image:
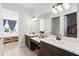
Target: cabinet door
[27, 41]
[46, 51]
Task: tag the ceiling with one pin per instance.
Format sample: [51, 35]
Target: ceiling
[37, 8]
[28, 5]
[33, 8]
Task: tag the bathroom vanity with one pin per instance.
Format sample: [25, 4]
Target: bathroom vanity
[49, 46]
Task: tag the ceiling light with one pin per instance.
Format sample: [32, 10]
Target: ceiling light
[59, 8]
[54, 10]
[66, 6]
[34, 18]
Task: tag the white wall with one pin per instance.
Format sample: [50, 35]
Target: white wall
[42, 24]
[26, 25]
[78, 20]
[22, 29]
[1, 21]
[46, 23]
[47, 26]
[9, 14]
[1, 31]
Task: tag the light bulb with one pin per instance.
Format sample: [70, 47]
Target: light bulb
[34, 18]
[59, 8]
[66, 6]
[54, 11]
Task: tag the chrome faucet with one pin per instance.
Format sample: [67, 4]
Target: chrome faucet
[58, 37]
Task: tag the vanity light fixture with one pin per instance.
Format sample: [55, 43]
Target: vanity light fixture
[60, 7]
[34, 18]
[66, 6]
[54, 10]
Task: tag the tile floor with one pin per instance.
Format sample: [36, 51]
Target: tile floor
[12, 49]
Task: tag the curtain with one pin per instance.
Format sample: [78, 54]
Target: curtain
[12, 24]
[4, 21]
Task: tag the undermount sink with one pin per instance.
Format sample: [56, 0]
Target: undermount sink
[59, 41]
[55, 41]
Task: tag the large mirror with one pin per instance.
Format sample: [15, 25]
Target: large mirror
[56, 26]
[71, 25]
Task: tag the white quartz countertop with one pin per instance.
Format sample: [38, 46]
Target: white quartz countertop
[36, 39]
[65, 44]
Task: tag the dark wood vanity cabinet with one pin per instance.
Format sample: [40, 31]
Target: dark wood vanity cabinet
[50, 50]
[34, 44]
